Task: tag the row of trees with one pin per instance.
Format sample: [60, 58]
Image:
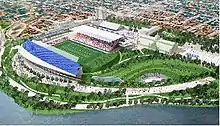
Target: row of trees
[210, 91]
[107, 104]
[189, 101]
[92, 96]
[39, 76]
[68, 93]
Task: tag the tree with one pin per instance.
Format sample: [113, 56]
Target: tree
[52, 78]
[42, 76]
[74, 104]
[88, 106]
[77, 98]
[142, 101]
[38, 75]
[100, 105]
[99, 94]
[73, 87]
[107, 104]
[123, 90]
[94, 105]
[56, 79]
[135, 102]
[83, 98]
[69, 81]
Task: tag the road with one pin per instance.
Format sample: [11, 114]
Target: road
[21, 88]
[2, 42]
[170, 88]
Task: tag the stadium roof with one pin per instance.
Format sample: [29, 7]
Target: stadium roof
[44, 57]
[56, 50]
[110, 25]
[97, 33]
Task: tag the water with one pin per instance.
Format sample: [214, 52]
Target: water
[11, 113]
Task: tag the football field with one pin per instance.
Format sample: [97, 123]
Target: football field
[89, 58]
[84, 53]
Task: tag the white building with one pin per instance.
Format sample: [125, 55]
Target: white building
[202, 55]
[110, 26]
[149, 31]
[156, 43]
[101, 13]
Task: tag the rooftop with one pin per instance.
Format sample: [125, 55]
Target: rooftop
[110, 25]
[97, 33]
[51, 57]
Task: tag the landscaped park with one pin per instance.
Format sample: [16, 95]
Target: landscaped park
[176, 68]
[128, 65]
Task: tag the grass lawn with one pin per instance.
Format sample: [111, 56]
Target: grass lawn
[173, 69]
[54, 111]
[92, 60]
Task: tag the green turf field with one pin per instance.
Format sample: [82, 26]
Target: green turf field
[84, 53]
[92, 60]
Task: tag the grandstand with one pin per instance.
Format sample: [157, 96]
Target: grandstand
[48, 59]
[96, 38]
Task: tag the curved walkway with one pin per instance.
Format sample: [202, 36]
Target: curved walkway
[131, 58]
[146, 91]
[2, 42]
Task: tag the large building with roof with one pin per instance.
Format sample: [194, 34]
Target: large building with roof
[96, 38]
[49, 59]
[110, 26]
[156, 43]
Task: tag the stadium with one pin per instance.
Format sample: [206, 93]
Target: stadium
[65, 55]
[96, 38]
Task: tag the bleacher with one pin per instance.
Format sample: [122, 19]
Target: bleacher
[96, 38]
[51, 57]
[95, 42]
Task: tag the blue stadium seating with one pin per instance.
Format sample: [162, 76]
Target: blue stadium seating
[51, 57]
